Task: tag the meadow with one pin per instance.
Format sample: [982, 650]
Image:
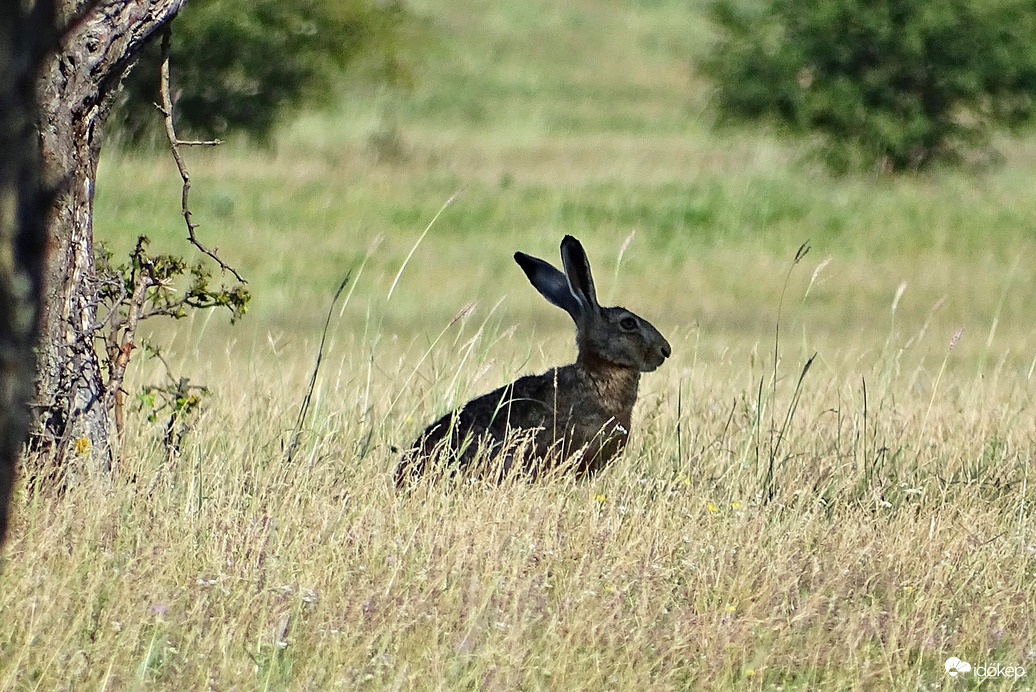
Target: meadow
[849, 525]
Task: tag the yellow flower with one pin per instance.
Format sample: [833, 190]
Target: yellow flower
[711, 507]
[908, 589]
[601, 498]
[750, 673]
[82, 445]
[735, 504]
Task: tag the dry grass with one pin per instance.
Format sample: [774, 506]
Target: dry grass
[893, 534]
[887, 526]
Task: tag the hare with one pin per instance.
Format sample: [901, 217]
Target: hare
[575, 416]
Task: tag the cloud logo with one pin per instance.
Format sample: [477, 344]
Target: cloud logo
[955, 666]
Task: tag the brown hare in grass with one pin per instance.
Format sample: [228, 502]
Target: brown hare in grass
[576, 416]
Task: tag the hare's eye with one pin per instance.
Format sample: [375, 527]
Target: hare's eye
[628, 324]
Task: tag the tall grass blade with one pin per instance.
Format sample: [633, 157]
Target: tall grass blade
[296, 435]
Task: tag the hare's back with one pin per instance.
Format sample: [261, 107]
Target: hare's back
[527, 403]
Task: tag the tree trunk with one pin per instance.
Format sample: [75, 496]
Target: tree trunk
[75, 92]
[25, 38]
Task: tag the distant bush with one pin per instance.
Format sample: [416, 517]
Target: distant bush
[897, 84]
[237, 64]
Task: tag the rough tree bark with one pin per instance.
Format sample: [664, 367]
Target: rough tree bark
[75, 93]
[25, 38]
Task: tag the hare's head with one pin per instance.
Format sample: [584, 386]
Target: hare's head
[615, 334]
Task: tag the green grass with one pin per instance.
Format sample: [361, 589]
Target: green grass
[899, 526]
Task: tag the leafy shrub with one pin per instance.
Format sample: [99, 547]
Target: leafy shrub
[898, 84]
[237, 64]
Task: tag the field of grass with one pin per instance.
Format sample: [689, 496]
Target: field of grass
[846, 529]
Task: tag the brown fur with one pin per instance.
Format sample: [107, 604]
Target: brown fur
[576, 416]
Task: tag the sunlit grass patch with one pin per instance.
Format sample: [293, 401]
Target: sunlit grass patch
[899, 540]
[885, 528]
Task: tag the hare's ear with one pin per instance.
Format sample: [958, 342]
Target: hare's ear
[577, 269]
[550, 282]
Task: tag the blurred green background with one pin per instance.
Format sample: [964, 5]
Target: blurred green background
[590, 118]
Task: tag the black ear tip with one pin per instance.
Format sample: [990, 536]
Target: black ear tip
[572, 246]
[526, 262]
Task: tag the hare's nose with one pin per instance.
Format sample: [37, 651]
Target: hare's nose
[666, 351]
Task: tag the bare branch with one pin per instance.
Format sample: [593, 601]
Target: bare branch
[174, 144]
[119, 348]
[111, 318]
[199, 143]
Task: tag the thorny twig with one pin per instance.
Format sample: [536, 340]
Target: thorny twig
[120, 345]
[110, 318]
[174, 144]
